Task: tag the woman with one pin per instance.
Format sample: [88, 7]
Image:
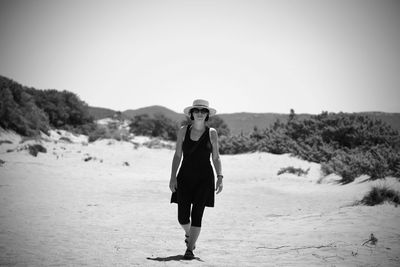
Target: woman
[193, 187]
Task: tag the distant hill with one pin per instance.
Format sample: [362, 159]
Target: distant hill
[152, 110]
[237, 122]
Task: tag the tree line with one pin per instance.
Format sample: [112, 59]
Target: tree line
[28, 111]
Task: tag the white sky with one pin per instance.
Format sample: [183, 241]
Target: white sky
[253, 56]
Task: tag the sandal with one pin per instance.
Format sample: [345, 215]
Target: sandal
[188, 255]
[186, 239]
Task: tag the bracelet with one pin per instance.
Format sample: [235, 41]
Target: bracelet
[220, 176]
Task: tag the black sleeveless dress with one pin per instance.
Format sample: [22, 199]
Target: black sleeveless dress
[196, 176]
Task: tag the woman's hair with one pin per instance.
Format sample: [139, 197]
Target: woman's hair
[192, 118]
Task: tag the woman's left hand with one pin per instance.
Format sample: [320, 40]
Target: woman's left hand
[219, 186]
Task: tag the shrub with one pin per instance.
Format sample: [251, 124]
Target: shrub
[65, 139]
[105, 132]
[235, 144]
[98, 133]
[157, 126]
[378, 162]
[35, 149]
[157, 143]
[293, 170]
[84, 129]
[274, 142]
[380, 194]
[119, 135]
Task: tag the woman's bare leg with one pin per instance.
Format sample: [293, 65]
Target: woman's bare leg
[193, 236]
[186, 227]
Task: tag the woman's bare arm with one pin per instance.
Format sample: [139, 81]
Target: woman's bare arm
[215, 158]
[177, 158]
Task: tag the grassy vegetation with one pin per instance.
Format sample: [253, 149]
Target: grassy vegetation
[293, 170]
[379, 195]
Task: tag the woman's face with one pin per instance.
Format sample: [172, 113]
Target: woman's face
[200, 113]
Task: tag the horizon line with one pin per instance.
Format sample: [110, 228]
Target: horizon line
[247, 112]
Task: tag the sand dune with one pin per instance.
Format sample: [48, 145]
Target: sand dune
[113, 209]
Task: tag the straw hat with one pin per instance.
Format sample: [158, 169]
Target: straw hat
[200, 103]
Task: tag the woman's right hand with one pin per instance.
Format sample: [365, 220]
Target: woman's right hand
[173, 184]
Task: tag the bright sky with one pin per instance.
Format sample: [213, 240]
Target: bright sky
[252, 56]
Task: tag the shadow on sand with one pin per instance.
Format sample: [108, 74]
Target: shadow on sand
[172, 258]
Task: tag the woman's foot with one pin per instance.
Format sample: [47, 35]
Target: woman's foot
[188, 255]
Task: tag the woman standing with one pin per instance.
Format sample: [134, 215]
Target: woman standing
[193, 187]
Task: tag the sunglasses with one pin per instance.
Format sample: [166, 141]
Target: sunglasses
[203, 110]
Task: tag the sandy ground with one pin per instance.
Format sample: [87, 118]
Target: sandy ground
[59, 210]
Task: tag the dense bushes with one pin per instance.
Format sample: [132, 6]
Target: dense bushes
[18, 110]
[157, 126]
[377, 162]
[236, 144]
[62, 108]
[28, 111]
[346, 144]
